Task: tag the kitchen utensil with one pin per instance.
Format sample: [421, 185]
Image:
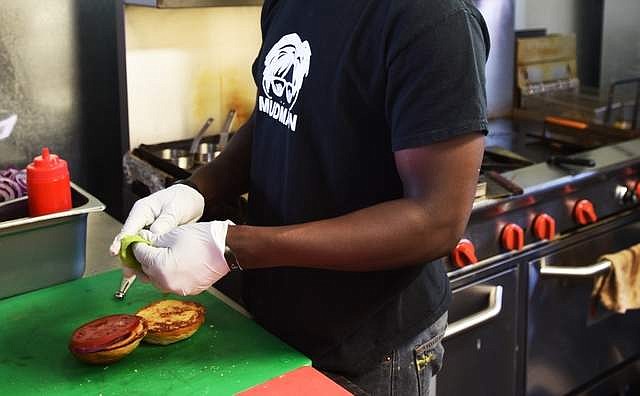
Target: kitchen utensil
[172, 153]
[7, 122]
[196, 140]
[125, 284]
[507, 184]
[204, 158]
[500, 154]
[182, 158]
[481, 189]
[562, 160]
[206, 148]
[224, 133]
[206, 153]
[565, 122]
[636, 104]
[184, 162]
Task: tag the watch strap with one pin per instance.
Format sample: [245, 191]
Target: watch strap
[189, 183]
[232, 260]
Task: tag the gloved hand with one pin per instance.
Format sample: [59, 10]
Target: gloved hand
[162, 210]
[186, 260]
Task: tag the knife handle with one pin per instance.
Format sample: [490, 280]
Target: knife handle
[505, 183]
[561, 160]
[567, 123]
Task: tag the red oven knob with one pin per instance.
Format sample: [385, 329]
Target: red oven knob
[637, 190]
[584, 213]
[544, 227]
[512, 237]
[464, 254]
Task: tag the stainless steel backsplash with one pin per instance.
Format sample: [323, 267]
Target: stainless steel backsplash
[59, 74]
[499, 15]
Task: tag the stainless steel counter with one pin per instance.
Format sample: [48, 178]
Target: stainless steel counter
[101, 228]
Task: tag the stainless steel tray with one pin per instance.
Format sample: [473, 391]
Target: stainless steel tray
[37, 252]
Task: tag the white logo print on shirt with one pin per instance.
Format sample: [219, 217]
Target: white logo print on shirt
[285, 67]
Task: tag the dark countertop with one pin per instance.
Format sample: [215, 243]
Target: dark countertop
[516, 136]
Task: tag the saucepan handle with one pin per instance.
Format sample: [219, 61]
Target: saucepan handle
[475, 320]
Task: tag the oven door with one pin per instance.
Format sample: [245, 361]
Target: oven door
[480, 342]
[571, 340]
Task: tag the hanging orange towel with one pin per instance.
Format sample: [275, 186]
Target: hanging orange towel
[619, 289]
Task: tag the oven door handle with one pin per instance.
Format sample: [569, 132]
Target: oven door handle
[493, 310]
[576, 272]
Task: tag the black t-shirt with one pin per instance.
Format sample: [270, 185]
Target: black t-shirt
[341, 86]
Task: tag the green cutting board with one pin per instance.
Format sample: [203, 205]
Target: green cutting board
[228, 354]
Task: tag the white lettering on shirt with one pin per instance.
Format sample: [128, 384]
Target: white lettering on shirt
[286, 66]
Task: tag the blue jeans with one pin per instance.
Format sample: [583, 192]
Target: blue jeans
[409, 370]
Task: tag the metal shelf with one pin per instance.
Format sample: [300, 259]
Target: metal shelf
[192, 3]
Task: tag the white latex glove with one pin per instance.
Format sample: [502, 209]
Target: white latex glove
[128, 272]
[186, 260]
[162, 210]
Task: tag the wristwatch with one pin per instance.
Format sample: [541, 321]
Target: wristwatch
[232, 260]
[229, 256]
[189, 183]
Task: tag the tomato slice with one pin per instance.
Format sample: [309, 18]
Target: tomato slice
[100, 333]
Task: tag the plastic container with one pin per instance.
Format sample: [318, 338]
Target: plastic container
[46, 250]
[48, 184]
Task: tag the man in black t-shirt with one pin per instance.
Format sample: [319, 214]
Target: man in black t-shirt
[360, 159]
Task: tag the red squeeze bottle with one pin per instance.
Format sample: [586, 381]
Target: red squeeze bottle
[48, 184]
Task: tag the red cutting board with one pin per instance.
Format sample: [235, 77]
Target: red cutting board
[303, 381]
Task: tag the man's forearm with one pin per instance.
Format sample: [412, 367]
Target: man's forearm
[227, 177]
[385, 236]
[422, 226]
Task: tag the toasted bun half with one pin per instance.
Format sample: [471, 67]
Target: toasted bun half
[107, 340]
[170, 321]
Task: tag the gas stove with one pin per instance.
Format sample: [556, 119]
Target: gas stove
[522, 276]
[556, 200]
